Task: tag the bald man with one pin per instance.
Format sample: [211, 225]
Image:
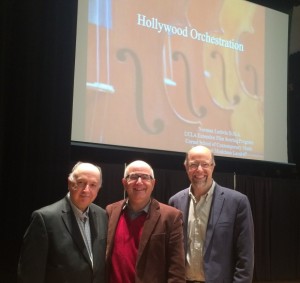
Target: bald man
[145, 237]
[218, 225]
[66, 241]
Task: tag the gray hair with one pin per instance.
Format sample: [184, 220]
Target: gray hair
[73, 171]
[138, 161]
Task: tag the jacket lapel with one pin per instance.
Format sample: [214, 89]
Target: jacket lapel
[94, 233]
[149, 226]
[215, 212]
[112, 224]
[69, 219]
[184, 206]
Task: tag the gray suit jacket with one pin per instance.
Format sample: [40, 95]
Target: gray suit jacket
[229, 242]
[53, 249]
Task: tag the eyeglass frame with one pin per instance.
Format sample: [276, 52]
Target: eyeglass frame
[195, 166]
[149, 177]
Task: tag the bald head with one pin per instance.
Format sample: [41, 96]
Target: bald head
[138, 165]
[85, 167]
[200, 150]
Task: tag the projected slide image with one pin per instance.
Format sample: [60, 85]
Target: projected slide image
[169, 75]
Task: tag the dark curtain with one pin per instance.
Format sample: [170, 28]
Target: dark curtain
[284, 230]
[259, 192]
[37, 61]
[36, 83]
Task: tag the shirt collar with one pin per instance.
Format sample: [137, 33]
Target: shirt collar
[145, 209]
[78, 213]
[207, 195]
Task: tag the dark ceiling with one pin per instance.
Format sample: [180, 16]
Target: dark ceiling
[280, 5]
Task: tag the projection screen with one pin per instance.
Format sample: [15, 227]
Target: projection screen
[169, 75]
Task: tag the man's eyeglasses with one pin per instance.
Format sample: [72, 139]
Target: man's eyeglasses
[135, 177]
[81, 185]
[195, 166]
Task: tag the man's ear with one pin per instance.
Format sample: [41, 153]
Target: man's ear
[124, 182]
[71, 184]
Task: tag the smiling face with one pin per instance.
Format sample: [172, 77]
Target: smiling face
[199, 166]
[138, 183]
[84, 184]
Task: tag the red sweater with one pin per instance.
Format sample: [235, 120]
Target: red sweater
[126, 245]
